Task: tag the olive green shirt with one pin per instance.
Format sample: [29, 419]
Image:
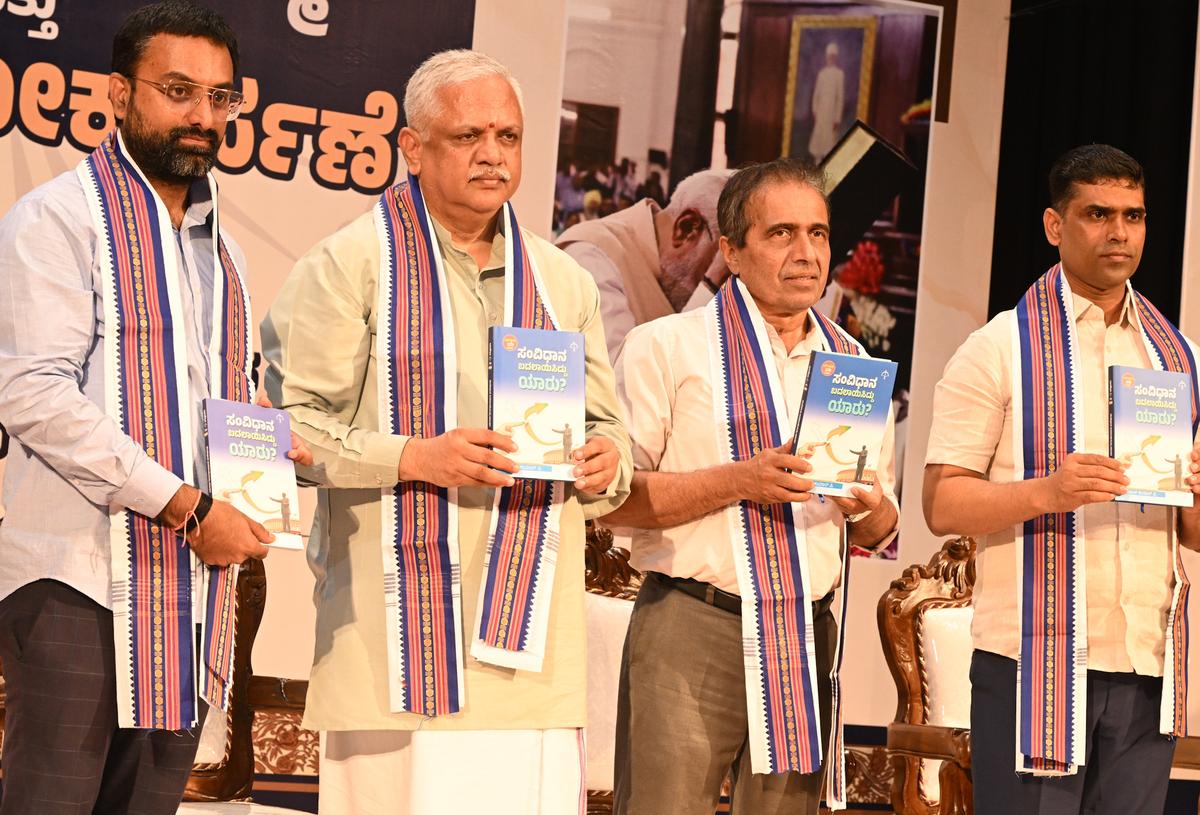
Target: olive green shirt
[319, 341]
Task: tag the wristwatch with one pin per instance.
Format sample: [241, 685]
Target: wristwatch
[858, 516]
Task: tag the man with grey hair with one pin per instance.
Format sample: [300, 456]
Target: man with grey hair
[450, 633]
[648, 261]
[715, 473]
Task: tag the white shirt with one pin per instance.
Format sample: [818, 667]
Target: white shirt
[664, 383]
[1127, 560]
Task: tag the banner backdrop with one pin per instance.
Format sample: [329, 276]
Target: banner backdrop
[328, 72]
[314, 143]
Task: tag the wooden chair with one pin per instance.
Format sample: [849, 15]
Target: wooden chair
[924, 624]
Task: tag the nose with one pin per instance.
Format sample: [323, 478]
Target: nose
[1118, 230]
[803, 250]
[488, 151]
[202, 114]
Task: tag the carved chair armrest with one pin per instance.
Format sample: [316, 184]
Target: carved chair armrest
[275, 694]
[931, 741]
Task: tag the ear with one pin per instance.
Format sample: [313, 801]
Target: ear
[1052, 223]
[410, 146]
[689, 226]
[730, 253]
[119, 89]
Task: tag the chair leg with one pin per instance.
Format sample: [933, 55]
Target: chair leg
[954, 784]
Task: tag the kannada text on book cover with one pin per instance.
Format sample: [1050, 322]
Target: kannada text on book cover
[538, 398]
[249, 468]
[845, 415]
[1151, 433]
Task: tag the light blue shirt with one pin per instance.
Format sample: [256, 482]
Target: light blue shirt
[69, 464]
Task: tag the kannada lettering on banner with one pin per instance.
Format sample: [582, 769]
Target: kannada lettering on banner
[323, 79]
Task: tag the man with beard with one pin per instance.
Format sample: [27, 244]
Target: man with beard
[648, 261]
[424, 545]
[123, 309]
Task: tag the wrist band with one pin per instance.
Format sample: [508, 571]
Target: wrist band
[197, 515]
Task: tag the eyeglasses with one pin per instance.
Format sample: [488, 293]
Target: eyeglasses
[185, 95]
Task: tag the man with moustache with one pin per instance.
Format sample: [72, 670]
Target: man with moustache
[378, 348]
[1079, 667]
[651, 261]
[123, 308]
[690, 709]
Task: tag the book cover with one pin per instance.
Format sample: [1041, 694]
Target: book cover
[535, 395]
[843, 415]
[1150, 431]
[248, 466]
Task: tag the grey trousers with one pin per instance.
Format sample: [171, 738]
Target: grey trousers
[1127, 766]
[63, 752]
[681, 712]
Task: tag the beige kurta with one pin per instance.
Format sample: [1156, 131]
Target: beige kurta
[319, 339]
[621, 253]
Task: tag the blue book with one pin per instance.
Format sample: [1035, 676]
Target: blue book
[247, 449]
[1150, 431]
[843, 415]
[535, 395]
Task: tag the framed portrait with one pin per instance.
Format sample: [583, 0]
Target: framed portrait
[829, 81]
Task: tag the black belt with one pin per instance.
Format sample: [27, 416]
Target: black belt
[703, 591]
[723, 600]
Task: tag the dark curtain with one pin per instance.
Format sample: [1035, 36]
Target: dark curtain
[1103, 71]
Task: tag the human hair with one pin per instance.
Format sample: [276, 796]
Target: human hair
[700, 191]
[181, 18]
[1091, 164]
[733, 206]
[445, 68]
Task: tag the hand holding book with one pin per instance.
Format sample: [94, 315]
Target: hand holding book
[299, 453]
[773, 476]
[596, 465]
[1083, 478]
[463, 457]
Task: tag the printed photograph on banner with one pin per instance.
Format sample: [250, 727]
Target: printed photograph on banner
[641, 168]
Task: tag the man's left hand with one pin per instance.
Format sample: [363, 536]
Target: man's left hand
[595, 465]
[299, 452]
[863, 500]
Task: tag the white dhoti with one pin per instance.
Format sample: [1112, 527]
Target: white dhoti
[500, 772]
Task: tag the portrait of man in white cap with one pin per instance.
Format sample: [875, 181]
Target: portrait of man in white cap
[828, 102]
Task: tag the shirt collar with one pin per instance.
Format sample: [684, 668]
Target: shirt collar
[811, 342]
[200, 204]
[1083, 306]
[495, 259]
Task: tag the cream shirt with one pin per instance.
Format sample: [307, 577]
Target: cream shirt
[319, 339]
[1127, 561]
[664, 382]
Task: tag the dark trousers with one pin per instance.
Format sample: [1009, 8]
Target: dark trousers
[1127, 765]
[63, 752]
[681, 712]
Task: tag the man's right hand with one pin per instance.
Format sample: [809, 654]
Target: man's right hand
[1084, 478]
[226, 536]
[765, 478]
[459, 458]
